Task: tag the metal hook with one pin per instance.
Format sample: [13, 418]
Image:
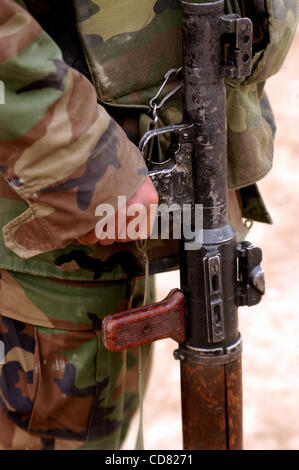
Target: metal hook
[153, 104]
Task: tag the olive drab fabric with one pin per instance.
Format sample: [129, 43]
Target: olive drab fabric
[60, 388]
[74, 104]
[131, 45]
[250, 143]
[62, 154]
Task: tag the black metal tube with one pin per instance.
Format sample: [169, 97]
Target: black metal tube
[208, 275]
[204, 106]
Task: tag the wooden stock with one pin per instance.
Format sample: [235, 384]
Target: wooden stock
[146, 324]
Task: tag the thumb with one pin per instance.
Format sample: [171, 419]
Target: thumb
[89, 238]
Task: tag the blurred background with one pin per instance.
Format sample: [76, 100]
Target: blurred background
[270, 330]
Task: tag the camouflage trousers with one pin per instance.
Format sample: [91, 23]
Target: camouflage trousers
[60, 388]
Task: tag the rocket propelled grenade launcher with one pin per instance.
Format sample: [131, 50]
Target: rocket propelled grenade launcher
[222, 274]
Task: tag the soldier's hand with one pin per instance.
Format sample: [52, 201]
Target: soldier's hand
[144, 197]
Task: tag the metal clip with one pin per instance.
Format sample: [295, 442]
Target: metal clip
[153, 104]
[250, 275]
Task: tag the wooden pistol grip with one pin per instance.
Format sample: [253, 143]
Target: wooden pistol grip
[146, 324]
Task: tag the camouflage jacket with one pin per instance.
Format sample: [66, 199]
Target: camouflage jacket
[61, 153]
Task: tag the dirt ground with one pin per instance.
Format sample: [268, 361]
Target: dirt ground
[270, 330]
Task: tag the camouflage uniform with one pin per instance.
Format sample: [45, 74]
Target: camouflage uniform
[59, 388]
[62, 152]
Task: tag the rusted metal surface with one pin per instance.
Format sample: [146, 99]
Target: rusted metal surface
[173, 178]
[212, 406]
[165, 319]
[205, 107]
[212, 312]
[233, 373]
[203, 406]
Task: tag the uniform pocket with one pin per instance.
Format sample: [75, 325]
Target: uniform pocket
[62, 384]
[65, 378]
[130, 54]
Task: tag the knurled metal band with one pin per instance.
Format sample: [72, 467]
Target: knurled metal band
[216, 356]
[203, 8]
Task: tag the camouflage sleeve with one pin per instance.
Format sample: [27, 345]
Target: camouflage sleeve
[250, 130]
[59, 150]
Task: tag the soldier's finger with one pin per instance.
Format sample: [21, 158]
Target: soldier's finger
[89, 239]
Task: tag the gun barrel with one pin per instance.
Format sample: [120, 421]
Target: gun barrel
[205, 106]
[211, 356]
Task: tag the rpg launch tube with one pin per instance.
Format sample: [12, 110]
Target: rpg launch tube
[211, 356]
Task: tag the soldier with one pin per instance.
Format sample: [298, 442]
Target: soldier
[62, 154]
